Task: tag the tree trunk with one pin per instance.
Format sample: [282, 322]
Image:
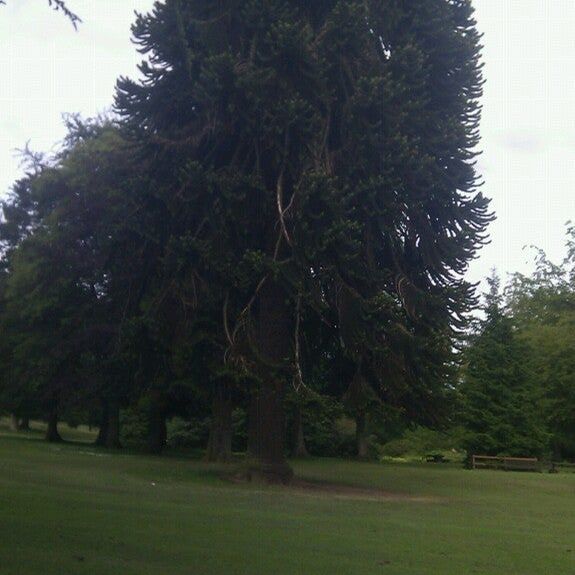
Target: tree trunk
[252, 422]
[268, 447]
[273, 339]
[112, 427]
[52, 434]
[220, 441]
[24, 424]
[14, 423]
[361, 435]
[300, 449]
[556, 450]
[103, 428]
[157, 431]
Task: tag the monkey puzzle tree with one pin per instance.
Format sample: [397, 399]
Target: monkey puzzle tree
[305, 151]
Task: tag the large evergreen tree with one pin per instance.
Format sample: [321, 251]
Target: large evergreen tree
[78, 259]
[309, 156]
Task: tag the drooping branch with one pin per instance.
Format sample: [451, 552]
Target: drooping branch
[280, 190]
[60, 5]
[298, 380]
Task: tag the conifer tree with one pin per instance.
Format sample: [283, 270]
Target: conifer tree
[77, 268]
[307, 150]
[501, 398]
[543, 308]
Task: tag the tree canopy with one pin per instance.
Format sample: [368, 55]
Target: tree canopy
[307, 181]
[501, 398]
[286, 186]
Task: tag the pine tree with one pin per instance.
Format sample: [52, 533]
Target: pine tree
[303, 151]
[501, 402]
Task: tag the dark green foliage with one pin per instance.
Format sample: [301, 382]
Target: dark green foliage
[501, 407]
[134, 428]
[518, 379]
[543, 307]
[300, 161]
[290, 201]
[190, 433]
[422, 441]
[327, 431]
[74, 254]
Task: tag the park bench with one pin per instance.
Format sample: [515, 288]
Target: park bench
[505, 463]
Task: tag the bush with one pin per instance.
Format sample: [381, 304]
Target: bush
[396, 448]
[421, 441]
[133, 426]
[325, 427]
[194, 432]
[191, 433]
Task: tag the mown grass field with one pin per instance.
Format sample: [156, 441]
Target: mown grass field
[74, 510]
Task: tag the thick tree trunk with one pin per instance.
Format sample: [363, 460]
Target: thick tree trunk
[14, 423]
[268, 447]
[103, 428]
[361, 435]
[220, 441]
[157, 430]
[24, 424]
[112, 427]
[300, 449]
[556, 450]
[252, 422]
[52, 434]
[273, 339]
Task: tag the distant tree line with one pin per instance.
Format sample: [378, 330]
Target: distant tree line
[280, 213]
[517, 387]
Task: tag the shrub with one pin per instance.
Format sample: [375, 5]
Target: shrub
[133, 426]
[188, 432]
[422, 441]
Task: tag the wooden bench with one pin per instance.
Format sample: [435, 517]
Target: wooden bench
[505, 463]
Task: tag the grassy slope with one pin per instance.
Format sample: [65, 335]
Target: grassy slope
[72, 510]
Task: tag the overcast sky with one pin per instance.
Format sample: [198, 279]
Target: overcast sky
[528, 123]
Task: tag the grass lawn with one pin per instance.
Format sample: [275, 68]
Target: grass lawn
[73, 510]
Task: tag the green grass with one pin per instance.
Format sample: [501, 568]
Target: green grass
[73, 510]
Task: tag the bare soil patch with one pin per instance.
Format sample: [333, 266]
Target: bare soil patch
[341, 491]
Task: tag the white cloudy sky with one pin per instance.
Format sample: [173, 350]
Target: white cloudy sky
[528, 122]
